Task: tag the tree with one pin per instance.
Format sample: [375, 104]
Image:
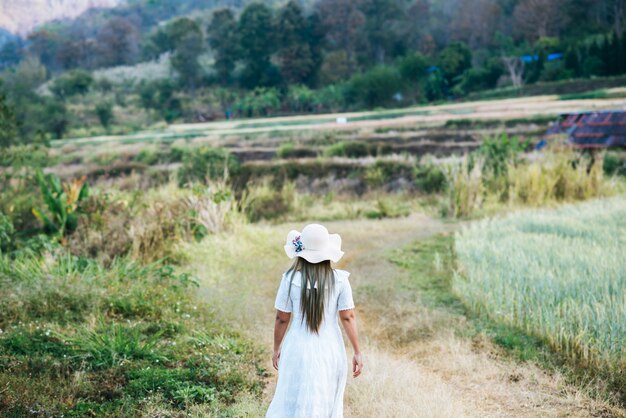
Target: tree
[257, 43]
[454, 59]
[118, 42]
[55, 118]
[515, 66]
[375, 87]
[476, 22]
[534, 19]
[44, 45]
[72, 83]
[159, 95]
[222, 38]
[342, 21]
[381, 28]
[296, 45]
[104, 111]
[10, 54]
[8, 124]
[188, 42]
[413, 67]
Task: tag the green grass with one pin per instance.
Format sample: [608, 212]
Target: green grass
[594, 94]
[558, 275]
[433, 263]
[82, 339]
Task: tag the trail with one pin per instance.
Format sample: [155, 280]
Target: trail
[415, 365]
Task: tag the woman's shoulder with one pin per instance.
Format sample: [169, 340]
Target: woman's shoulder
[341, 275]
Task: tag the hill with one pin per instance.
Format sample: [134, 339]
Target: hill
[21, 17]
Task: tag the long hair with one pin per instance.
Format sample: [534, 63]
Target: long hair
[312, 300]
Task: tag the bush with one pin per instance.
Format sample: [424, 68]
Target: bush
[430, 178]
[351, 149]
[6, 233]
[104, 111]
[263, 201]
[62, 201]
[72, 83]
[465, 187]
[614, 163]
[375, 87]
[206, 163]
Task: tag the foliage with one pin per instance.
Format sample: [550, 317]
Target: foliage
[454, 59]
[465, 187]
[351, 149]
[75, 82]
[259, 102]
[187, 42]
[257, 43]
[262, 201]
[6, 233]
[430, 178]
[499, 153]
[160, 95]
[206, 163]
[8, 124]
[555, 176]
[222, 38]
[104, 111]
[513, 269]
[135, 333]
[375, 87]
[62, 201]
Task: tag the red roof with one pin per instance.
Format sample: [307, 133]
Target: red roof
[592, 129]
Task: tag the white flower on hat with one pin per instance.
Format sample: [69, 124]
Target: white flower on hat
[314, 244]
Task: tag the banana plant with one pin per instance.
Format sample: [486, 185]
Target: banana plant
[62, 201]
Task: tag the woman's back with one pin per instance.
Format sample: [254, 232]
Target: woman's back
[309, 352]
[339, 298]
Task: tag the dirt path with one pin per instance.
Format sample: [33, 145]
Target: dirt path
[429, 374]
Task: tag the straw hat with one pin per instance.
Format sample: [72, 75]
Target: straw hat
[314, 244]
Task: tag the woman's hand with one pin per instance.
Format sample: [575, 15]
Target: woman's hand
[357, 364]
[275, 358]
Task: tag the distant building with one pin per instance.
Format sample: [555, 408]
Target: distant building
[591, 129]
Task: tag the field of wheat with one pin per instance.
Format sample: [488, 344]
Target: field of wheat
[558, 274]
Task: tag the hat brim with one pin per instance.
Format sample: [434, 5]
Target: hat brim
[332, 252]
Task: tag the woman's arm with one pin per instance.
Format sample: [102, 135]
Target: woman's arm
[348, 319]
[280, 327]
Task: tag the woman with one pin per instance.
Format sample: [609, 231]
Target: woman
[311, 361]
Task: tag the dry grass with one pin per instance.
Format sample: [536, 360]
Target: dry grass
[420, 368]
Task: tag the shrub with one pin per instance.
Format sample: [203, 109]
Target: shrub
[20, 156]
[8, 124]
[465, 187]
[614, 163]
[263, 201]
[430, 178]
[72, 83]
[352, 149]
[104, 111]
[558, 176]
[62, 202]
[375, 87]
[206, 163]
[6, 233]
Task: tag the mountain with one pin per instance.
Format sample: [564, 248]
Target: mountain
[21, 16]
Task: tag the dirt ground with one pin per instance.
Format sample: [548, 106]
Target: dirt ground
[442, 375]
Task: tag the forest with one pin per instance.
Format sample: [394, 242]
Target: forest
[151, 62]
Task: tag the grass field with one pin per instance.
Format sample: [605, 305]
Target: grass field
[152, 293]
[557, 274]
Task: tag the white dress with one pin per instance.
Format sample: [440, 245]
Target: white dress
[312, 369]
